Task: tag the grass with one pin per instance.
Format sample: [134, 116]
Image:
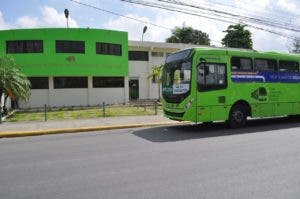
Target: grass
[81, 114]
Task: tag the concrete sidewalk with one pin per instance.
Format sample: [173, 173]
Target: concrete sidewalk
[17, 129]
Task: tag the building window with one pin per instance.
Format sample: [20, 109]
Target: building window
[108, 49]
[108, 82]
[63, 46]
[265, 65]
[138, 55]
[157, 54]
[70, 82]
[241, 64]
[39, 82]
[24, 46]
[288, 66]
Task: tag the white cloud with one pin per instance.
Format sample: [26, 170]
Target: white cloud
[154, 33]
[49, 18]
[253, 5]
[3, 24]
[265, 41]
[269, 10]
[262, 40]
[28, 22]
[288, 6]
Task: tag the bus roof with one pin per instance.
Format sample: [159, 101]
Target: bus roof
[246, 52]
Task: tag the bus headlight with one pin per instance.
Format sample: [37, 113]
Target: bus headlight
[189, 104]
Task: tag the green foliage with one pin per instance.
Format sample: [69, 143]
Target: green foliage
[156, 73]
[296, 46]
[237, 37]
[113, 111]
[188, 35]
[157, 76]
[13, 83]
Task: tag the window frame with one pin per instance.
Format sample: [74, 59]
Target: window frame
[241, 57]
[70, 48]
[268, 59]
[109, 48]
[135, 58]
[204, 87]
[83, 86]
[25, 44]
[279, 66]
[108, 80]
[39, 85]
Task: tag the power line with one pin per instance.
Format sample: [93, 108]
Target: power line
[279, 16]
[209, 17]
[131, 18]
[120, 15]
[242, 17]
[174, 9]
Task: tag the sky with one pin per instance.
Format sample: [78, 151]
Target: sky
[16, 14]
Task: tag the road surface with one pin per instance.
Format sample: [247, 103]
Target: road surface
[186, 161]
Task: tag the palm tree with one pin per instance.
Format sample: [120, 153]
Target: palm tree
[157, 75]
[13, 83]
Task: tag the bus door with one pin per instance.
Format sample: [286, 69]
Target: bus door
[211, 88]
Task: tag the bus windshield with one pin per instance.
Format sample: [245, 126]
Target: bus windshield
[176, 79]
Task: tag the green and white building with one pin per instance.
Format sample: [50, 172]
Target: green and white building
[84, 67]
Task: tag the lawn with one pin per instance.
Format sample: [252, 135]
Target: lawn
[64, 114]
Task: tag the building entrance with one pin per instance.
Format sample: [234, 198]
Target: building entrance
[133, 89]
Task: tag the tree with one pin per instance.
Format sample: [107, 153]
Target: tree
[188, 35]
[156, 76]
[237, 37]
[13, 83]
[296, 46]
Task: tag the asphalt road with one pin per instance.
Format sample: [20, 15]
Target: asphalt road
[188, 161]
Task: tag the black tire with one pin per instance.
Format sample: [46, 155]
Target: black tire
[207, 123]
[237, 116]
[294, 117]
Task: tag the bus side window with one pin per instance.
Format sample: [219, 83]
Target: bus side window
[289, 66]
[289, 71]
[211, 76]
[265, 65]
[266, 70]
[241, 64]
[201, 79]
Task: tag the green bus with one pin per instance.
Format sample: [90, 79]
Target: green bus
[211, 84]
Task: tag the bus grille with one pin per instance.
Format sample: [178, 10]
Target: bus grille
[172, 114]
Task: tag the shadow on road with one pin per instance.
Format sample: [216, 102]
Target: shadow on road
[193, 131]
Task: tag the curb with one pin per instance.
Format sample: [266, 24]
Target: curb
[78, 130]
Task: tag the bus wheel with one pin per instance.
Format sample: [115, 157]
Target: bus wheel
[237, 116]
[294, 117]
[207, 123]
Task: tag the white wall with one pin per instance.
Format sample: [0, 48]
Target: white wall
[38, 98]
[139, 70]
[69, 97]
[107, 95]
[76, 96]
